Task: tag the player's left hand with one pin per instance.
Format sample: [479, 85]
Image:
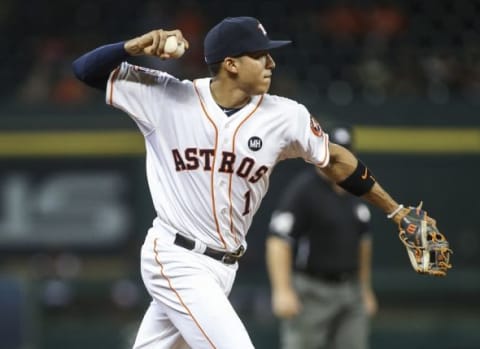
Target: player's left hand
[427, 248]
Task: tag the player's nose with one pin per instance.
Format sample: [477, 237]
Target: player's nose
[270, 63]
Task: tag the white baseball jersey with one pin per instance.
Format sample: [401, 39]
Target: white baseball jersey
[207, 172]
[207, 175]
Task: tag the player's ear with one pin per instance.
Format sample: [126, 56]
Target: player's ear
[230, 65]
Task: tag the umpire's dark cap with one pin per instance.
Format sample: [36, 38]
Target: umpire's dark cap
[235, 36]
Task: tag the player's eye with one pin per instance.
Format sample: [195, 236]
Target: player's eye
[258, 54]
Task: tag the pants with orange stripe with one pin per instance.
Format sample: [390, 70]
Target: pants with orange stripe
[190, 306]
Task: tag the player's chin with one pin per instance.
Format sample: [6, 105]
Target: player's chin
[264, 86]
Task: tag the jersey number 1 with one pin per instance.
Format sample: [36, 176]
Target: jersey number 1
[247, 197]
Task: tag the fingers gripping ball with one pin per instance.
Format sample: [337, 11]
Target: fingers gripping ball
[173, 47]
[427, 248]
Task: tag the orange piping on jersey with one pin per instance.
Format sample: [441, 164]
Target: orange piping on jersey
[232, 231]
[112, 79]
[324, 162]
[213, 166]
[178, 295]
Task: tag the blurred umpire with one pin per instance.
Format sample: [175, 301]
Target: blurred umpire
[319, 262]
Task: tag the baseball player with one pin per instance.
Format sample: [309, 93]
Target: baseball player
[211, 145]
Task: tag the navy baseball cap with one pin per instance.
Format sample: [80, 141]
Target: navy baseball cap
[235, 36]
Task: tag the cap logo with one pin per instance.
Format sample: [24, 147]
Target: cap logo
[262, 29]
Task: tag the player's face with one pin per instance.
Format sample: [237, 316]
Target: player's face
[255, 72]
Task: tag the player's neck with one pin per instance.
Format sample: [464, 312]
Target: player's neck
[227, 95]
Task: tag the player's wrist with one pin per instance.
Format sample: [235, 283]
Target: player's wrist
[133, 47]
[398, 217]
[396, 211]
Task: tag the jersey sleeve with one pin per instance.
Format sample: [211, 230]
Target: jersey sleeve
[139, 92]
[291, 217]
[307, 141]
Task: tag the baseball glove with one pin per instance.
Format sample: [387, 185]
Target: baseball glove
[427, 248]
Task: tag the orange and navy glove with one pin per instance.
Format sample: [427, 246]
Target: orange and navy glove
[427, 248]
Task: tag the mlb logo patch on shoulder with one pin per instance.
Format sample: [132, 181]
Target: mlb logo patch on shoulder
[315, 127]
[255, 143]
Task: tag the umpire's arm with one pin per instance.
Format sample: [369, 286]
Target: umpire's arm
[285, 302]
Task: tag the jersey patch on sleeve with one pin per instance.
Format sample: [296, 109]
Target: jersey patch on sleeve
[148, 71]
[315, 127]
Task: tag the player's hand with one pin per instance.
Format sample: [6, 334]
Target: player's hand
[152, 43]
[285, 303]
[428, 249]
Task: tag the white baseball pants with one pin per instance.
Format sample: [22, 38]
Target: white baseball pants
[190, 307]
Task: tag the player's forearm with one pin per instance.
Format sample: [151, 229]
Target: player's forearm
[346, 170]
[279, 263]
[380, 198]
[94, 67]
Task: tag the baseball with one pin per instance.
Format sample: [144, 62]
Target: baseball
[171, 44]
[179, 51]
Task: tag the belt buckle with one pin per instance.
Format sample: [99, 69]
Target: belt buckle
[229, 258]
[239, 252]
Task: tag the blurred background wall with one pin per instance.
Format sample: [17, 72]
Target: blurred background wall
[74, 206]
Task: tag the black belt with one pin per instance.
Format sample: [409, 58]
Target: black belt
[222, 256]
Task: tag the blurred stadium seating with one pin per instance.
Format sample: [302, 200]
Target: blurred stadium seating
[346, 50]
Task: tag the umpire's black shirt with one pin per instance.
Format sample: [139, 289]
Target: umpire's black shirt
[323, 226]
